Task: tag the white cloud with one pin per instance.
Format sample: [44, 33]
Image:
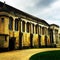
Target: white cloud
[50, 13]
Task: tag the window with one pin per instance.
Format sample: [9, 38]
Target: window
[45, 31]
[36, 28]
[23, 26]
[33, 28]
[56, 36]
[2, 20]
[11, 23]
[28, 27]
[42, 30]
[16, 24]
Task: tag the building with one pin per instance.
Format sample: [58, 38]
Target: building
[59, 38]
[54, 34]
[22, 30]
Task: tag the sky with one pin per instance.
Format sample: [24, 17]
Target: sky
[48, 10]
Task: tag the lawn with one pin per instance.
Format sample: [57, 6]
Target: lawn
[48, 55]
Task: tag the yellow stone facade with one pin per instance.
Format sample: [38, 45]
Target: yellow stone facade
[21, 30]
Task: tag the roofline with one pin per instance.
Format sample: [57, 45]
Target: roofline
[54, 25]
[26, 14]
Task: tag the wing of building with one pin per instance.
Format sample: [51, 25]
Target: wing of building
[22, 30]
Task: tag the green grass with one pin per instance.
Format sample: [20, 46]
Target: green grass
[49, 55]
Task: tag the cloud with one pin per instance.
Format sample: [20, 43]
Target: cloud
[48, 10]
[50, 13]
[44, 3]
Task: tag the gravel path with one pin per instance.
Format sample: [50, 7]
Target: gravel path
[22, 54]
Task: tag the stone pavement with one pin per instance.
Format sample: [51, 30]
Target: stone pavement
[23, 54]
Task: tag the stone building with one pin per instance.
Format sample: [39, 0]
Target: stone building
[22, 30]
[54, 31]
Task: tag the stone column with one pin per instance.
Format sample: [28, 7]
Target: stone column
[47, 31]
[41, 30]
[25, 26]
[38, 29]
[13, 25]
[21, 26]
[34, 29]
[31, 28]
[54, 36]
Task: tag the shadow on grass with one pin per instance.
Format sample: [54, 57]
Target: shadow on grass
[48, 55]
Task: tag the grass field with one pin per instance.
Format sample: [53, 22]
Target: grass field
[49, 55]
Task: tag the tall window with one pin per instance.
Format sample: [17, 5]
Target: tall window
[56, 35]
[16, 24]
[11, 23]
[33, 28]
[36, 28]
[42, 30]
[2, 20]
[45, 31]
[23, 26]
[27, 26]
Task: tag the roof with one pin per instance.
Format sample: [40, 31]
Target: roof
[54, 25]
[10, 8]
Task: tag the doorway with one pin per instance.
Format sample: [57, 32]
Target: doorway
[12, 43]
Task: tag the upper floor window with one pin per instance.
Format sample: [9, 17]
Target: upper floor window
[23, 26]
[11, 23]
[42, 30]
[16, 24]
[36, 28]
[2, 20]
[33, 28]
[45, 31]
[28, 27]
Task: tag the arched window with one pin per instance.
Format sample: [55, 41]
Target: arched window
[33, 28]
[2, 20]
[28, 27]
[46, 31]
[16, 24]
[42, 30]
[23, 26]
[10, 23]
[36, 28]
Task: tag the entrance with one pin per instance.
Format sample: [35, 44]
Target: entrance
[45, 41]
[12, 43]
[20, 40]
[31, 40]
[39, 41]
